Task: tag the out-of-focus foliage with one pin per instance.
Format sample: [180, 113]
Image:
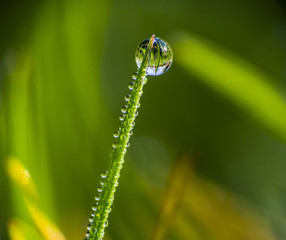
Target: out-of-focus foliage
[64, 70]
[22, 178]
[201, 210]
[240, 82]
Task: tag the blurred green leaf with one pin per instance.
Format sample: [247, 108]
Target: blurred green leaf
[21, 230]
[233, 78]
[196, 208]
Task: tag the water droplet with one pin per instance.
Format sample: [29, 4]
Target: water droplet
[94, 207]
[133, 124]
[116, 134]
[99, 189]
[124, 109]
[136, 113]
[97, 197]
[114, 144]
[127, 97]
[105, 224]
[130, 133]
[89, 226]
[116, 184]
[138, 105]
[131, 85]
[140, 93]
[145, 80]
[104, 174]
[134, 75]
[92, 215]
[101, 183]
[87, 233]
[128, 145]
[161, 56]
[90, 220]
[121, 117]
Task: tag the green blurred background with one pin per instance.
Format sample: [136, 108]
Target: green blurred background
[207, 158]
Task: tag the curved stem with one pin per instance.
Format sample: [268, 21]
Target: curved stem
[104, 200]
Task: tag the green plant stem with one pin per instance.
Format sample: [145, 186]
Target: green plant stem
[117, 155]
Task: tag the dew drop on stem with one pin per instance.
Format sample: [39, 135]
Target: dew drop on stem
[131, 85]
[161, 56]
[114, 144]
[134, 75]
[104, 174]
[116, 134]
[94, 207]
[97, 197]
[89, 226]
[127, 97]
[124, 109]
[121, 117]
[106, 224]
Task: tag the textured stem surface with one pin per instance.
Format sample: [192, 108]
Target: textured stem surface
[105, 199]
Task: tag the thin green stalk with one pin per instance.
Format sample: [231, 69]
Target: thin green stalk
[104, 199]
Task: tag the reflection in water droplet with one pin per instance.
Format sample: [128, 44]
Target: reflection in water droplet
[89, 226]
[127, 97]
[134, 75]
[90, 220]
[104, 174]
[97, 197]
[121, 117]
[94, 207]
[124, 109]
[145, 80]
[131, 85]
[161, 56]
[105, 224]
[116, 134]
[99, 189]
[87, 233]
[114, 144]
